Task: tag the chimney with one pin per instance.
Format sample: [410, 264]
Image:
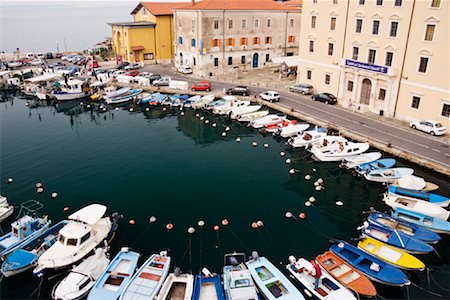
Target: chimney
[193, 2]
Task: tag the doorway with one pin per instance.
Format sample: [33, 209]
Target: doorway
[366, 89]
[255, 60]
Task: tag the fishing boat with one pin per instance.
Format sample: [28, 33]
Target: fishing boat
[411, 229]
[123, 98]
[415, 183]
[416, 205]
[270, 281]
[291, 130]
[243, 110]
[111, 92]
[23, 230]
[113, 280]
[191, 101]
[70, 89]
[6, 209]
[374, 268]
[425, 196]
[27, 255]
[329, 288]
[86, 229]
[148, 280]
[207, 287]
[353, 161]
[347, 275]
[205, 100]
[338, 150]
[395, 238]
[266, 120]
[307, 138]
[229, 106]
[248, 117]
[216, 103]
[387, 175]
[176, 100]
[274, 127]
[392, 255]
[237, 280]
[177, 287]
[431, 223]
[81, 278]
[379, 164]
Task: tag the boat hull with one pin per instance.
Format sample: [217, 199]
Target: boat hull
[69, 96]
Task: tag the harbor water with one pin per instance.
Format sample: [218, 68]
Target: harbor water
[181, 170]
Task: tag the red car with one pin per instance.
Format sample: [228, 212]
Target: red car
[92, 64]
[133, 73]
[201, 86]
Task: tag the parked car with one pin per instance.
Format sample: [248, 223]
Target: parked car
[122, 65]
[117, 73]
[82, 61]
[239, 90]
[201, 86]
[132, 73]
[30, 55]
[154, 77]
[36, 62]
[92, 64]
[133, 66]
[302, 88]
[270, 96]
[49, 55]
[56, 64]
[184, 69]
[428, 126]
[162, 81]
[58, 55]
[325, 98]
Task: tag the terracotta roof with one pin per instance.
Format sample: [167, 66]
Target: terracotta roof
[134, 24]
[159, 8]
[240, 5]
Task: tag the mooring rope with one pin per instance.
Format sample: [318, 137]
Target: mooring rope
[427, 291]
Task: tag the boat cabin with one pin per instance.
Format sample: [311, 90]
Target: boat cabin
[71, 86]
[74, 234]
[240, 279]
[20, 229]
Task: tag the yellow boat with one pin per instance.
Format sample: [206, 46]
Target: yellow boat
[392, 255]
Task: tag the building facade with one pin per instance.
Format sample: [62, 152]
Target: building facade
[363, 51]
[217, 37]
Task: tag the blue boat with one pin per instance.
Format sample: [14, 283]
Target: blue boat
[373, 267]
[215, 103]
[379, 164]
[157, 99]
[123, 98]
[115, 277]
[431, 223]
[411, 229]
[237, 280]
[430, 197]
[211, 285]
[192, 100]
[22, 230]
[29, 252]
[396, 238]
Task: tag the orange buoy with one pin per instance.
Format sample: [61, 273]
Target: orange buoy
[302, 215]
[254, 225]
[169, 226]
[66, 208]
[132, 222]
[216, 227]
[224, 222]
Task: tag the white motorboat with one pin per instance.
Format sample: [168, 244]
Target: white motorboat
[229, 105]
[86, 229]
[203, 101]
[82, 278]
[292, 129]
[329, 288]
[327, 142]
[6, 209]
[307, 138]
[237, 111]
[356, 160]
[388, 175]
[237, 280]
[266, 120]
[415, 205]
[337, 150]
[71, 89]
[415, 183]
[177, 287]
[248, 117]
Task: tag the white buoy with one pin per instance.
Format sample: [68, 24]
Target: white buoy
[206, 121]
[81, 103]
[288, 160]
[202, 118]
[9, 180]
[39, 184]
[104, 109]
[39, 190]
[197, 115]
[314, 170]
[282, 153]
[181, 108]
[131, 109]
[191, 230]
[238, 140]
[316, 183]
[254, 144]
[182, 113]
[266, 145]
[201, 223]
[117, 108]
[227, 128]
[152, 219]
[288, 214]
[260, 223]
[318, 188]
[312, 199]
[339, 203]
[147, 109]
[308, 204]
[214, 124]
[54, 194]
[164, 109]
[88, 106]
[320, 180]
[307, 177]
[224, 133]
[292, 171]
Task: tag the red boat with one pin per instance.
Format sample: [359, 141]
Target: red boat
[275, 126]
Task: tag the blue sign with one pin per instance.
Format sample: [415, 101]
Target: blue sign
[365, 66]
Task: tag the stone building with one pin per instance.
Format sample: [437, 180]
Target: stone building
[218, 37]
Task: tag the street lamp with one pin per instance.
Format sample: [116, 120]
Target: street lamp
[57, 47]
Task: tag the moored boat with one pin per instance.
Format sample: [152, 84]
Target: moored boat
[431, 223]
[248, 117]
[71, 89]
[356, 160]
[243, 110]
[416, 205]
[307, 138]
[292, 129]
[191, 101]
[266, 120]
[205, 100]
[338, 151]
[379, 164]
[129, 96]
[207, 287]
[387, 175]
[425, 196]
[177, 287]
[237, 280]
[272, 128]
[413, 182]
[6, 209]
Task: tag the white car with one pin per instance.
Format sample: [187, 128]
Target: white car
[270, 96]
[133, 66]
[428, 126]
[184, 69]
[162, 81]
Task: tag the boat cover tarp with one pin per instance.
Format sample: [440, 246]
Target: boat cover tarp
[411, 182]
[19, 259]
[90, 214]
[93, 265]
[45, 77]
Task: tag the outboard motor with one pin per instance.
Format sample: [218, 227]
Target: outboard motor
[177, 271]
[233, 261]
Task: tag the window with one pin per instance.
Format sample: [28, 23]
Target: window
[398, 3]
[350, 86]
[415, 102]
[244, 24]
[72, 242]
[371, 58]
[445, 110]
[216, 24]
[435, 3]
[256, 40]
[382, 94]
[333, 24]
[314, 1]
[309, 74]
[311, 46]
[291, 22]
[267, 57]
[193, 43]
[423, 64]
[335, 1]
[85, 237]
[243, 59]
[291, 39]
[375, 27]
[393, 31]
[313, 21]
[244, 41]
[230, 60]
[230, 42]
[327, 79]
[330, 48]
[215, 42]
[359, 23]
[268, 40]
[256, 23]
[230, 24]
[289, 53]
[216, 61]
[180, 40]
[429, 32]
[269, 22]
[379, 2]
[389, 58]
[361, 2]
[355, 53]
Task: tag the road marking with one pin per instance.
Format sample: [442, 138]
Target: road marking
[446, 154]
[436, 150]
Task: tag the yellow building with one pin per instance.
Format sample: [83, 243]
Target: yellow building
[149, 37]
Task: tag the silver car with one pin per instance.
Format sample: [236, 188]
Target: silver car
[302, 88]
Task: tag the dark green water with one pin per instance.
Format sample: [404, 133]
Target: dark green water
[179, 169]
